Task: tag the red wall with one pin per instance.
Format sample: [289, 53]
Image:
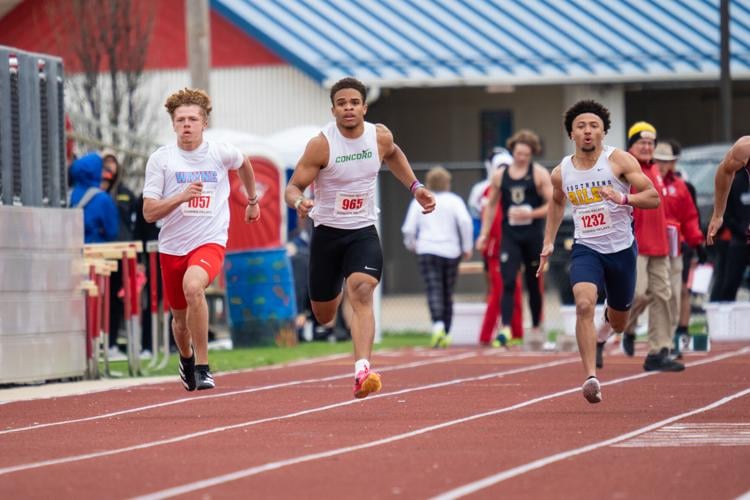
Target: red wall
[28, 26]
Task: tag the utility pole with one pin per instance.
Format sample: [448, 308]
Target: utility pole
[725, 80]
[197, 22]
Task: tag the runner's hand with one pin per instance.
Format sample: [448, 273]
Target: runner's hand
[425, 198]
[252, 213]
[192, 191]
[544, 256]
[713, 228]
[303, 209]
[481, 243]
[610, 194]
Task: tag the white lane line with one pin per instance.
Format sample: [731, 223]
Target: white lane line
[693, 434]
[404, 366]
[185, 437]
[470, 488]
[85, 388]
[233, 476]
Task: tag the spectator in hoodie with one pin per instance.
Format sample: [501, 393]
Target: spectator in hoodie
[100, 219]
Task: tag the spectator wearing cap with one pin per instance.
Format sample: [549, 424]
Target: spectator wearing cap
[478, 198]
[652, 287]
[683, 226]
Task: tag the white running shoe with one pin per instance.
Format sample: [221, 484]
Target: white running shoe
[592, 391]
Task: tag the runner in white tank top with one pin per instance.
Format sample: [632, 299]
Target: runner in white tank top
[187, 187]
[344, 190]
[343, 161]
[595, 179]
[602, 225]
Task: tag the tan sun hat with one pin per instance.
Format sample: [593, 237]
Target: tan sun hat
[664, 152]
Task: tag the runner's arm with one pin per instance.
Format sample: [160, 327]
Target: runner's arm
[555, 214]
[247, 176]
[646, 195]
[398, 164]
[313, 159]
[489, 211]
[154, 209]
[735, 159]
[544, 187]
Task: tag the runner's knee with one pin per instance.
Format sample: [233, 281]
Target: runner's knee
[194, 292]
[360, 293]
[179, 327]
[585, 308]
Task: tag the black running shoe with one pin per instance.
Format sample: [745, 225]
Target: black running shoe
[203, 378]
[187, 372]
[600, 354]
[662, 362]
[628, 344]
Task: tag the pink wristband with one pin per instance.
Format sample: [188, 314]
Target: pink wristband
[414, 186]
[624, 199]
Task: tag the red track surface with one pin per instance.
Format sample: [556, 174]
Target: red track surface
[444, 424]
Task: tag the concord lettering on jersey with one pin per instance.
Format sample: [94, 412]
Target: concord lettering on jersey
[364, 155]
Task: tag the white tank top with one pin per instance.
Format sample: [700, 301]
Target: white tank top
[344, 190]
[601, 225]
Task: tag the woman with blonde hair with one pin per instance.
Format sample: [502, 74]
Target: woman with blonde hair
[439, 241]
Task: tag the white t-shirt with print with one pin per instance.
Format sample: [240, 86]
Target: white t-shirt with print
[205, 219]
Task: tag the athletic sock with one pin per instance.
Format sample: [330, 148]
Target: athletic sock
[361, 364]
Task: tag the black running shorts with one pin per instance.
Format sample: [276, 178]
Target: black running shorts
[337, 253]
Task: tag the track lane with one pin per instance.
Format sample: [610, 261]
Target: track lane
[314, 432]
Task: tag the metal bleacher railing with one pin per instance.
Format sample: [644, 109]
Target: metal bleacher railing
[32, 129]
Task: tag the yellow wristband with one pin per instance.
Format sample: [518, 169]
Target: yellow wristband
[298, 202]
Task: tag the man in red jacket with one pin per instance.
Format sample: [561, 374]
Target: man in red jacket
[652, 287]
[682, 226]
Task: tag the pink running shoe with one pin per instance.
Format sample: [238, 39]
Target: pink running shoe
[366, 382]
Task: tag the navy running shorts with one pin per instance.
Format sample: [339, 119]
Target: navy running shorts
[612, 272]
[337, 253]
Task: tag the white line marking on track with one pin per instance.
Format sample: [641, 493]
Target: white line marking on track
[185, 437]
[693, 434]
[414, 364]
[233, 476]
[160, 380]
[470, 488]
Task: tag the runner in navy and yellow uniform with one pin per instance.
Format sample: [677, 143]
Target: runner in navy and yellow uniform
[597, 180]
